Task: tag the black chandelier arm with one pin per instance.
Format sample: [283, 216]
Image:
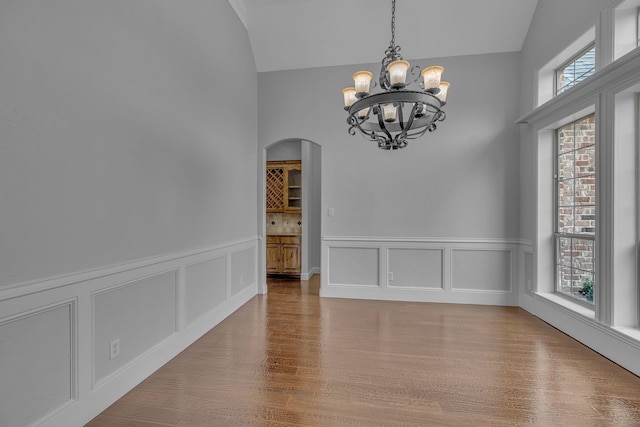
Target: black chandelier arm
[440, 116]
[419, 133]
[383, 128]
[395, 135]
[355, 123]
[384, 78]
[415, 71]
[430, 126]
[399, 144]
[397, 96]
[409, 124]
[401, 121]
[392, 53]
[384, 140]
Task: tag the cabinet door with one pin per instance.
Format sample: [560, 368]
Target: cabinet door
[290, 258]
[275, 189]
[274, 260]
[293, 189]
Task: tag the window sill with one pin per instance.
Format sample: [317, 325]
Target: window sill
[571, 306]
[633, 333]
[626, 334]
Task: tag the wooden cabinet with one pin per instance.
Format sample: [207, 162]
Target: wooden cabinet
[283, 255]
[293, 188]
[284, 186]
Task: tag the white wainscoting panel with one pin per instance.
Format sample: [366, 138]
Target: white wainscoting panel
[243, 271]
[481, 270]
[55, 333]
[42, 378]
[140, 315]
[465, 271]
[416, 268]
[355, 266]
[203, 290]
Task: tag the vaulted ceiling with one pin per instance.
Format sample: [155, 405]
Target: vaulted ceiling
[291, 34]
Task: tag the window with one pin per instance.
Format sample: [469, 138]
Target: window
[585, 260]
[548, 75]
[626, 27]
[576, 69]
[575, 209]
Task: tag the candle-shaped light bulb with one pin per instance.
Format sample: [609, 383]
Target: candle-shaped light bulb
[363, 113]
[389, 112]
[398, 73]
[431, 77]
[349, 94]
[444, 88]
[362, 80]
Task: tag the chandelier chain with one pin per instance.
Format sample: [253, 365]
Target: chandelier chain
[393, 23]
[392, 53]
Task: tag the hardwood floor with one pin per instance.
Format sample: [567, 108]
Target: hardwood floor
[292, 359]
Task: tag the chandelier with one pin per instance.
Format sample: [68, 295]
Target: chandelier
[396, 114]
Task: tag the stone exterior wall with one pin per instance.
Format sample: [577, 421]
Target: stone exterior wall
[576, 196]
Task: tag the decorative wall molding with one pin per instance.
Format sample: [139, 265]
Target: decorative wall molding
[463, 240]
[48, 356]
[425, 276]
[38, 285]
[162, 311]
[167, 280]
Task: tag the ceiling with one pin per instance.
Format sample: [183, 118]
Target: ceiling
[292, 34]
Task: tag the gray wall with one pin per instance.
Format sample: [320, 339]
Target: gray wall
[128, 136]
[461, 180]
[437, 221]
[311, 211]
[285, 150]
[123, 128]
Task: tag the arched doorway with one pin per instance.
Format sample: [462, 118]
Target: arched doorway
[310, 155]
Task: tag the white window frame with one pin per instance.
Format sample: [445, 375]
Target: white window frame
[623, 308]
[545, 252]
[557, 235]
[547, 74]
[626, 27]
[571, 60]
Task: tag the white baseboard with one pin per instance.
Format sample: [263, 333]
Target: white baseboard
[310, 273]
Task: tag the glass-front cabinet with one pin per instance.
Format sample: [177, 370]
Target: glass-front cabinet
[293, 189]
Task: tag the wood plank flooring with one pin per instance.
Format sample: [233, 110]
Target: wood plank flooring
[292, 359]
